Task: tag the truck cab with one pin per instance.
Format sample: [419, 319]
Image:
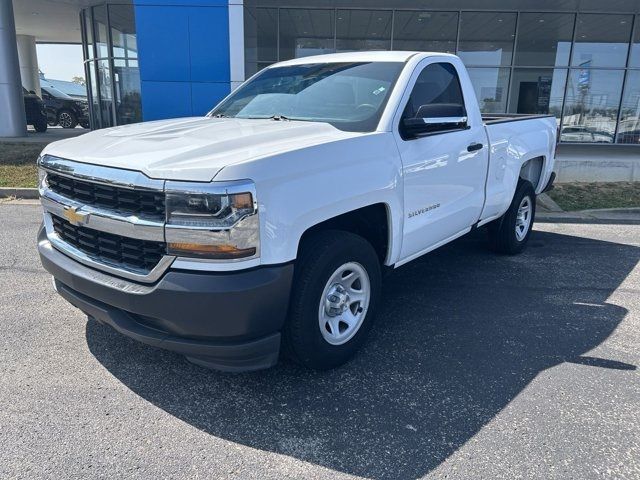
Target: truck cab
[264, 227]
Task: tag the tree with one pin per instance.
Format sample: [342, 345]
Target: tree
[79, 80]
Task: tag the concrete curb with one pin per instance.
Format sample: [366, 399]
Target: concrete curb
[547, 202]
[610, 217]
[28, 193]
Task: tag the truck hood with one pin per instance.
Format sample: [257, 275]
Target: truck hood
[192, 149]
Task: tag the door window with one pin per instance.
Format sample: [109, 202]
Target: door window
[437, 91]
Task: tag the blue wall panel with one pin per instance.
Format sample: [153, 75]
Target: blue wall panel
[183, 51]
[209, 40]
[166, 100]
[205, 96]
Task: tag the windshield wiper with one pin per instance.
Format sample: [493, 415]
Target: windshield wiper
[279, 118]
[220, 115]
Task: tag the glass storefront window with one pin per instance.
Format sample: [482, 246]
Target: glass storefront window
[305, 32]
[591, 105]
[634, 57]
[126, 77]
[88, 33]
[486, 38]
[363, 30]
[490, 85]
[602, 40]
[629, 126]
[123, 31]
[100, 31]
[104, 92]
[261, 37]
[113, 76]
[537, 91]
[425, 31]
[544, 39]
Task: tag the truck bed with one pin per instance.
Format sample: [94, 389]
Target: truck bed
[492, 118]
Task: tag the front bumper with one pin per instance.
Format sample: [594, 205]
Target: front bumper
[228, 321]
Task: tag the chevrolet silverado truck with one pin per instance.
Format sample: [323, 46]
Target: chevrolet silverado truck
[265, 226]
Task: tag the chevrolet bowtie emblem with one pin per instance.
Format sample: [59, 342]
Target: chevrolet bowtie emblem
[74, 216]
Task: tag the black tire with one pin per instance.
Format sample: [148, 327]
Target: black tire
[321, 255]
[84, 124]
[40, 126]
[502, 232]
[67, 119]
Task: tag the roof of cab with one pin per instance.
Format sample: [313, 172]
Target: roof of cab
[377, 56]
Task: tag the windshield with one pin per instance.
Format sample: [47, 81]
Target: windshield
[54, 92]
[351, 96]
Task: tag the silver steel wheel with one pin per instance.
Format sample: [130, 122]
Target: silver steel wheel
[65, 120]
[344, 303]
[523, 218]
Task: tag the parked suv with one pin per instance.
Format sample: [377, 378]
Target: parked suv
[64, 110]
[35, 110]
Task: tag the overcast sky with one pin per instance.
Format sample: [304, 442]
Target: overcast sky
[60, 62]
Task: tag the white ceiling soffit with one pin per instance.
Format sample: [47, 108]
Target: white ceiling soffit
[50, 21]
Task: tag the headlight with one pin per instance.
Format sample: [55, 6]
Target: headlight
[42, 178]
[214, 221]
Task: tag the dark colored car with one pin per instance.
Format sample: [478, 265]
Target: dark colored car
[35, 110]
[64, 110]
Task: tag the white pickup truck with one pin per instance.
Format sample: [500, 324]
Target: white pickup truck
[265, 225]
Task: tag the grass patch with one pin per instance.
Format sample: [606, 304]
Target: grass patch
[18, 164]
[586, 196]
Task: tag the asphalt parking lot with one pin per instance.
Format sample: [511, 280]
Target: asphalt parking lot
[480, 366]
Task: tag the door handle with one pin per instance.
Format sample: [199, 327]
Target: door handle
[473, 147]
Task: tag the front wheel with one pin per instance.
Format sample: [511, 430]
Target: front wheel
[67, 119]
[335, 296]
[510, 233]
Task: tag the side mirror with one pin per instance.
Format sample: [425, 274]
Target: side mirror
[32, 92]
[436, 117]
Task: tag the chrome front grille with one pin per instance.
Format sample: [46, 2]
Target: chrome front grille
[114, 250]
[106, 218]
[127, 201]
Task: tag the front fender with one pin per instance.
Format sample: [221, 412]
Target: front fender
[302, 188]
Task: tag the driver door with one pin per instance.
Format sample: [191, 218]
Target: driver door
[444, 165]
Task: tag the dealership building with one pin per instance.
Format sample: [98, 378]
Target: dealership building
[578, 60]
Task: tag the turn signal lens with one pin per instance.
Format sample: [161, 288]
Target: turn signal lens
[220, 252]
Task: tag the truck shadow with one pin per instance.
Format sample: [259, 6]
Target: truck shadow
[460, 334]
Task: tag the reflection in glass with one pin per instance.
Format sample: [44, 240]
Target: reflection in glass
[490, 85]
[95, 97]
[591, 105]
[602, 40]
[537, 90]
[544, 39]
[425, 31]
[123, 31]
[126, 76]
[363, 30]
[486, 38]
[305, 32]
[261, 36]
[88, 32]
[634, 57]
[629, 126]
[104, 91]
[100, 30]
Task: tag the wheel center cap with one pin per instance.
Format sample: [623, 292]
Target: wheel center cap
[337, 300]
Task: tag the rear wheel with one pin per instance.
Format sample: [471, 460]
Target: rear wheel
[67, 119]
[510, 233]
[335, 296]
[40, 126]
